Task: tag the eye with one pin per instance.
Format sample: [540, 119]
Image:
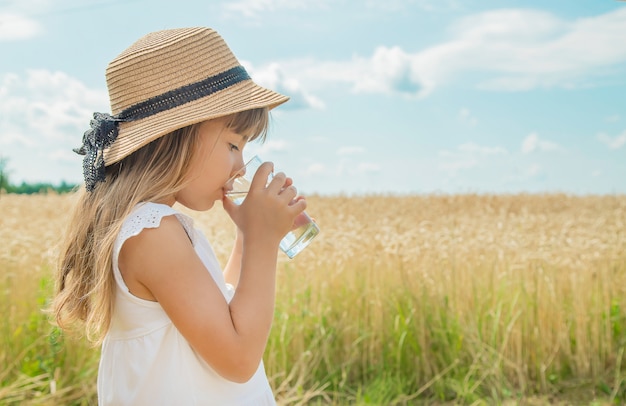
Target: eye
[233, 147]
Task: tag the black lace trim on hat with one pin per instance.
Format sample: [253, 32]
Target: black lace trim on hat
[104, 127]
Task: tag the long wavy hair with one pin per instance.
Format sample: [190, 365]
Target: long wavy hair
[84, 278]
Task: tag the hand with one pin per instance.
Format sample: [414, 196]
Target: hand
[268, 212]
[301, 219]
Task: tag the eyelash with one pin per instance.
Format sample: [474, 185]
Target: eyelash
[234, 147]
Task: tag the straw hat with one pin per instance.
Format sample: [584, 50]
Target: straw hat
[165, 81]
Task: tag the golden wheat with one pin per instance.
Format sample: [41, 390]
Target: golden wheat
[451, 296]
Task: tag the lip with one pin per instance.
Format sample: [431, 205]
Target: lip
[228, 186]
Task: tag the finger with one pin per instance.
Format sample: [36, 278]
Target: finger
[278, 183]
[289, 193]
[288, 182]
[262, 174]
[228, 204]
[301, 219]
[298, 206]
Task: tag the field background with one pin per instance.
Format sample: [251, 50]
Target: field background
[472, 299]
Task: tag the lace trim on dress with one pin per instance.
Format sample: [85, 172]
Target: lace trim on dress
[146, 215]
[149, 215]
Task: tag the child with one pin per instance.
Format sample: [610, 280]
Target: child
[175, 329]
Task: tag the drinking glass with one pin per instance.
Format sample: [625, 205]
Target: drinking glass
[305, 229]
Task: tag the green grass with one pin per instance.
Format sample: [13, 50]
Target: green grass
[41, 364]
[443, 307]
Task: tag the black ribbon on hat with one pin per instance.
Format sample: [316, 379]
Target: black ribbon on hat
[102, 133]
[104, 127]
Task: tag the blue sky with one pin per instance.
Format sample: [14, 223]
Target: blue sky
[388, 96]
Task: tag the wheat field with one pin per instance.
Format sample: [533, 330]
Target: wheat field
[401, 300]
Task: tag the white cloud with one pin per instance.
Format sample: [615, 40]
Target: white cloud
[272, 77]
[390, 70]
[533, 143]
[503, 50]
[527, 48]
[267, 148]
[47, 105]
[43, 111]
[62, 155]
[613, 142]
[16, 22]
[14, 27]
[16, 138]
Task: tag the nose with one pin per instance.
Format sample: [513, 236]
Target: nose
[240, 168]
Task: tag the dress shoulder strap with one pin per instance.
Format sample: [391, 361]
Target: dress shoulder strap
[146, 215]
[149, 215]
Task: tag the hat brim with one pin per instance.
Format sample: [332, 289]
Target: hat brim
[242, 96]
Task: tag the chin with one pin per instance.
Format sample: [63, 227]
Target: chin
[199, 205]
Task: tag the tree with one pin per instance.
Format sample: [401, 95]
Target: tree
[29, 188]
[4, 174]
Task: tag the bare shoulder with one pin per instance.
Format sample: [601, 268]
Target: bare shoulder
[163, 262]
[153, 241]
[140, 255]
[163, 265]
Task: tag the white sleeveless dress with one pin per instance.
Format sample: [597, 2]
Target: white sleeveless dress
[145, 360]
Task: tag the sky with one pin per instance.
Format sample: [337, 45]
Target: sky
[387, 96]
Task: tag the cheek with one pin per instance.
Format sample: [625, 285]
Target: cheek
[196, 169]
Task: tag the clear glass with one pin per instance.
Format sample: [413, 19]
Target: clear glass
[297, 239]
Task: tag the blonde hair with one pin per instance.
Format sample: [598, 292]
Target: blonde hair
[84, 279]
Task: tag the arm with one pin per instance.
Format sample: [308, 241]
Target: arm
[230, 338]
[232, 270]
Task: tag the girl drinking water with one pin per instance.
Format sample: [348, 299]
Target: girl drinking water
[174, 327]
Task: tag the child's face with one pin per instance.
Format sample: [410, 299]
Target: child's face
[218, 158]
